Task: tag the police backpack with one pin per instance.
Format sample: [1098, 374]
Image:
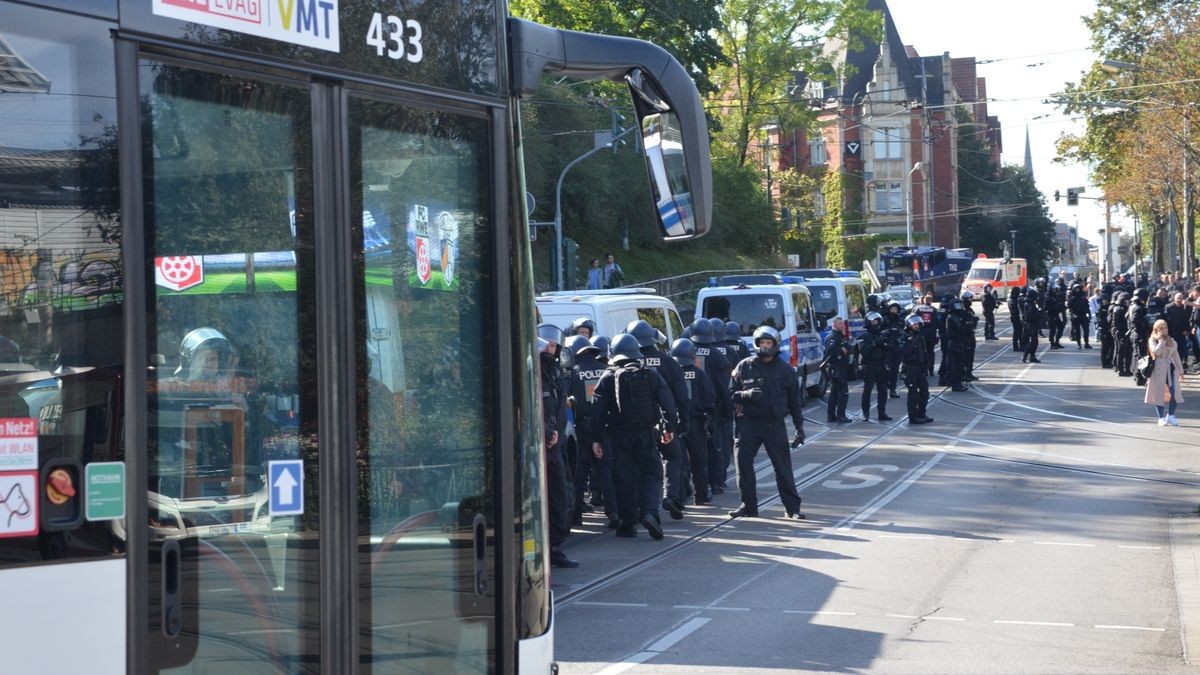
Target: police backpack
[636, 403]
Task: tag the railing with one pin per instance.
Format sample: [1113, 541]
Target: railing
[682, 289]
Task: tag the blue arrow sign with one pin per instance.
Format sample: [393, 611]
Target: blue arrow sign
[285, 479]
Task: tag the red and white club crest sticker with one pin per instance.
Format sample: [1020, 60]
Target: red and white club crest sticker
[424, 267]
[179, 272]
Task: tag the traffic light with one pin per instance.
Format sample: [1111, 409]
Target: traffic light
[571, 269]
[1057, 196]
[1072, 196]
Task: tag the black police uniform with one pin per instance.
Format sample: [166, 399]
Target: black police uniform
[723, 422]
[1139, 332]
[943, 336]
[1081, 313]
[874, 351]
[989, 303]
[631, 402]
[672, 452]
[1031, 317]
[893, 328]
[916, 378]
[713, 362]
[558, 500]
[700, 408]
[928, 331]
[1055, 311]
[1120, 330]
[1014, 317]
[598, 470]
[836, 367]
[958, 332]
[1179, 324]
[1104, 332]
[971, 321]
[763, 425]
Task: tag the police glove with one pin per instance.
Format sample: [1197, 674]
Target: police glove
[799, 439]
[753, 395]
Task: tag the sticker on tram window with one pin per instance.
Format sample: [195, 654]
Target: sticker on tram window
[259, 272]
[312, 23]
[19, 502]
[433, 243]
[18, 444]
[399, 39]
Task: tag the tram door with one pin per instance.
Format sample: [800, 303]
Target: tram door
[235, 453]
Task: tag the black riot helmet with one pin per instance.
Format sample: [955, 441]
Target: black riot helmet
[1031, 295]
[702, 332]
[580, 346]
[915, 323]
[624, 348]
[956, 305]
[601, 344]
[684, 351]
[550, 333]
[1141, 294]
[873, 302]
[766, 333]
[645, 334]
[718, 328]
[874, 319]
[1040, 282]
[894, 307]
[583, 322]
[733, 330]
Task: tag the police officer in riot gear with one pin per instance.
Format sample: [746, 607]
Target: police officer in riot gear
[588, 467]
[1031, 317]
[970, 322]
[916, 378]
[892, 328]
[874, 350]
[648, 338]
[989, 302]
[1139, 328]
[633, 412]
[1014, 317]
[958, 333]
[204, 354]
[836, 367]
[765, 390]
[713, 362]
[723, 424]
[554, 415]
[601, 344]
[1056, 307]
[1119, 318]
[1081, 317]
[1104, 332]
[733, 338]
[942, 320]
[583, 326]
[928, 329]
[699, 410]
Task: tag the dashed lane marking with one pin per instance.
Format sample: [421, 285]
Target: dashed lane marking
[1146, 628]
[1063, 543]
[1010, 622]
[818, 612]
[661, 645]
[596, 603]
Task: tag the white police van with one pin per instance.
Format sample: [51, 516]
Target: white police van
[787, 307]
[836, 296]
[612, 310]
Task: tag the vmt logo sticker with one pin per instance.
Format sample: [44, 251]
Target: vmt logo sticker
[312, 23]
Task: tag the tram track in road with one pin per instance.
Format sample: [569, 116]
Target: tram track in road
[569, 596]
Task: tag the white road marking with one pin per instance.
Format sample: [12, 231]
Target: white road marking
[886, 498]
[944, 618]
[728, 609]
[1063, 543]
[818, 612]
[1156, 630]
[864, 480]
[1142, 548]
[671, 639]
[628, 662]
[596, 603]
[903, 616]
[908, 536]
[1034, 623]
[687, 606]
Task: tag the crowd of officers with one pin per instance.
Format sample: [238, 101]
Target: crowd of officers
[656, 431]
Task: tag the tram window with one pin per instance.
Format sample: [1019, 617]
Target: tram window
[421, 189]
[60, 284]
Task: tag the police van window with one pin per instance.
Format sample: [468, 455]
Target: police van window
[856, 299]
[801, 305]
[749, 310]
[676, 323]
[825, 301]
[61, 335]
[655, 316]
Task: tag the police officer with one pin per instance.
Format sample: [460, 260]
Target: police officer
[723, 423]
[955, 355]
[733, 338]
[1056, 312]
[1031, 317]
[699, 410]
[1042, 293]
[1104, 332]
[648, 338]
[1081, 317]
[600, 342]
[1014, 317]
[1119, 318]
[943, 336]
[712, 362]
[916, 378]
[836, 367]
[874, 350]
[893, 331]
[204, 354]
[1139, 328]
[970, 322]
[633, 412]
[588, 467]
[583, 326]
[765, 390]
[989, 302]
[554, 415]
[928, 316]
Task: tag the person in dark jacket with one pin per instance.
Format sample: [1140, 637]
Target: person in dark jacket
[649, 338]
[1014, 317]
[1119, 318]
[836, 367]
[1031, 318]
[1179, 324]
[699, 410]
[916, 373]
[1104, 332]
[589, 468]
[1081, 317]
[1138, 318]
[874, 351]
[554, 411]
[712, 361]
[765, 391]
[989, 302]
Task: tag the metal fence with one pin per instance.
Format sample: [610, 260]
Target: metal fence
[682, 289]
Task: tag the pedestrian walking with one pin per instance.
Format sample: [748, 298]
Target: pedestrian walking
[613, 276]
[1164, 385]
[595, 277]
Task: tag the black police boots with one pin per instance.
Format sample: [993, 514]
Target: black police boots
[743, 512]
[560, 559]
[650, 522]
[673, 507]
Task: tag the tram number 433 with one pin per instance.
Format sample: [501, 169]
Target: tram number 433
[395, 37]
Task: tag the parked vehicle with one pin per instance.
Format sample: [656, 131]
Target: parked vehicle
[612, 310]
[1001, 273]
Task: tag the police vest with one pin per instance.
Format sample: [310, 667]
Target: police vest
[636, 403]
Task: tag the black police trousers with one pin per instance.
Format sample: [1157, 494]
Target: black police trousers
[720, 450]
[989, 324]
[696, 443]
[771, 433]
[599, 472]
[1079, 329]
[1031, 344]
[918, 393]
[877, 377]
[954, 361]
[558, 501]
[1018, 338]
[836, 399]
[673, 454]
[637, 474]
[1106, 350]
[1124, 356]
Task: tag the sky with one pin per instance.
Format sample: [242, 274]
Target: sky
[1038, 46]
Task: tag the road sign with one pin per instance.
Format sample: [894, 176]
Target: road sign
[852, 147]
[286, 481]
[18, 444]
[104, 490]
[18, 504]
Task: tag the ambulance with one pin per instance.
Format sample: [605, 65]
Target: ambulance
[1001, 273]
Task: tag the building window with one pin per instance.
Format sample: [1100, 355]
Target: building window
[819, 204]
[887, 144]
[889, 197]
[816, 150]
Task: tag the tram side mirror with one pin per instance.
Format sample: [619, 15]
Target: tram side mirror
[670, 117]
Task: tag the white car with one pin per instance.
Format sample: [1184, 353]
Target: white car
[905, 295]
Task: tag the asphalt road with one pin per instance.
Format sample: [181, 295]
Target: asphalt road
[1028, 530]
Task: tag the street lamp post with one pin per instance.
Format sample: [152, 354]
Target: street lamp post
[908, 197]
[1012, 252]
[767, 160]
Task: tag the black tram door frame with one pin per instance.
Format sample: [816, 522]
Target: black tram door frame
[338, 596]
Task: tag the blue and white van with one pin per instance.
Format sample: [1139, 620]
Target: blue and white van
[838, 296]
[786, 307]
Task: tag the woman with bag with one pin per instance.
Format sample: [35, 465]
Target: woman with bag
[1165, 379]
